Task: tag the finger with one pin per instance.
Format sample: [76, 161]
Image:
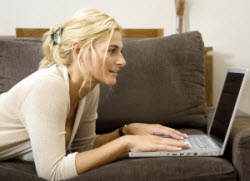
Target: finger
[162, 130]
[176, 143]
[166, 148]
[173, 134]
[177, 133]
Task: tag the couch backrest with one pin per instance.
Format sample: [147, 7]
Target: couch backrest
[19, 57]
[163, 81]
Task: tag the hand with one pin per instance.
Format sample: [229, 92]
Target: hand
[152, 129]
[151, 143]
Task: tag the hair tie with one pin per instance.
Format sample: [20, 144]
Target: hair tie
[56, 37]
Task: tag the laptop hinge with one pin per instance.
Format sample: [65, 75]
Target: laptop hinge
[218, 143]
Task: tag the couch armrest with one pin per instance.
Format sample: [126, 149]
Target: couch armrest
[239, 147]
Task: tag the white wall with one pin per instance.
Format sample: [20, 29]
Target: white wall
[224, 25]
[43, 13]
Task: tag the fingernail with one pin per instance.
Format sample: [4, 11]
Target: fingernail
[179, 148]
[182, 138]
[186, 135]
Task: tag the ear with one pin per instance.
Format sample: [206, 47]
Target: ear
[76, 49]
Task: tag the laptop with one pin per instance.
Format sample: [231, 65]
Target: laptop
[214, 143]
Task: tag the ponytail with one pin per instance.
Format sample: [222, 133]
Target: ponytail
[52, 51]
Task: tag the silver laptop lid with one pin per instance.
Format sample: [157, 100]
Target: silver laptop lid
[225, 111]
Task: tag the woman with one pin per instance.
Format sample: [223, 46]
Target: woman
[49, 117]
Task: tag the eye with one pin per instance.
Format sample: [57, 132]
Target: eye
[111, 51]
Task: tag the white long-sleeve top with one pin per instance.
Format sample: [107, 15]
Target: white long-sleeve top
[32, 123]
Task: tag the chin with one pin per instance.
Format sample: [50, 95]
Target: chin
[112, 83]
[108, 82]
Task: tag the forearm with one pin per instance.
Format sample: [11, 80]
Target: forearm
[105, 138]
[102, 155]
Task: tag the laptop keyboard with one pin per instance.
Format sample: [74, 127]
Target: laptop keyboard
[199, 142]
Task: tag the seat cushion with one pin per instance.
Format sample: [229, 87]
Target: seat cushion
[165, 168]
[18, 170]
[139, 169]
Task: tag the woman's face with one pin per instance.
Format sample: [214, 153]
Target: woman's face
[106, 71]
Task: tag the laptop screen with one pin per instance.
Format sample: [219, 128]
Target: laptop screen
[226, 105]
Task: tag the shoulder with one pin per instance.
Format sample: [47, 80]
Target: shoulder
[49, 79]
[50, 82]
[42, 82]
[48, 95]
[47, 86]
[50, 87]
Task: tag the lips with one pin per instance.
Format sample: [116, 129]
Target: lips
[113, 71]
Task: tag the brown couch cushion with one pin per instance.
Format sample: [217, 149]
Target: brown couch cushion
[18, 59]
[163, 82]
[162, 168]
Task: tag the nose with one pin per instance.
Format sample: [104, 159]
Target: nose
[121, 61]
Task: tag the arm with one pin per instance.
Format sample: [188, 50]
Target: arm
[43, 114]
[105, 138]
[139, 129]
[102, 155]
[109, 152]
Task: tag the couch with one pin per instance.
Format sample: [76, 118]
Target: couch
[163, 82]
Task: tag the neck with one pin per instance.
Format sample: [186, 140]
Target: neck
[75, 81]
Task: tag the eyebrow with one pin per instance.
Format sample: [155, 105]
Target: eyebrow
[116, 46]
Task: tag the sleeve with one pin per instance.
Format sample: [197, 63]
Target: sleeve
[44, 113]
[85, 136]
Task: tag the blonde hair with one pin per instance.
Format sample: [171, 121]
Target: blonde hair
[86, 26]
